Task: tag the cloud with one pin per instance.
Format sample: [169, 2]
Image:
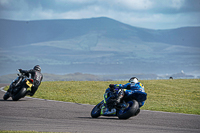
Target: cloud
[134, 4]
[155, 14]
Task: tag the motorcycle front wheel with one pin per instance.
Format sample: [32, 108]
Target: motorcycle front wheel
[6, 96]
[96, 111]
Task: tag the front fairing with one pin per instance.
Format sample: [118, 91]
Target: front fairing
[15, 80]
[137, 94]
[136, 90]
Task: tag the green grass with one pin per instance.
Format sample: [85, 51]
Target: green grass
[180, 95]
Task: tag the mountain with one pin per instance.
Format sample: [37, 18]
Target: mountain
[97, 46]
[90, 77]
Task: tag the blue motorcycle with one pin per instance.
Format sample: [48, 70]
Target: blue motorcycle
[132, 98]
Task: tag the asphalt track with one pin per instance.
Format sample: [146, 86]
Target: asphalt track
[30, 114]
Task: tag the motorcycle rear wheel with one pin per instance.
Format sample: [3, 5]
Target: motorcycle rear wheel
[132, 110]
[19, 95]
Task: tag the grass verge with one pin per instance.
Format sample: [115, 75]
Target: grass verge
[180, 95]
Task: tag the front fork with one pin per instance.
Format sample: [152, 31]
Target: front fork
[14, 84]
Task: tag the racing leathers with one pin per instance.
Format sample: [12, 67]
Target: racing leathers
[37, 78]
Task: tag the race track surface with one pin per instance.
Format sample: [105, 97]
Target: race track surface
[30, 114]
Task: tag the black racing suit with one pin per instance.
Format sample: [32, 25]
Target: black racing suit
[37, 78]
[112, 97]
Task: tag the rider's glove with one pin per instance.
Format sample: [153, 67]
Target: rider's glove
[111, 86]
[128, 87]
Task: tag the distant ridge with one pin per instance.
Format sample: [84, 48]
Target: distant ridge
[27, 32]
[97, 45]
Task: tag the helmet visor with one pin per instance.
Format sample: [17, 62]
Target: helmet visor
[134, 80]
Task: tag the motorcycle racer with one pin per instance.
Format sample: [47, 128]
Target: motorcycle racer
[37, 77]
[123, 101]
[135, 85]
[114, 94]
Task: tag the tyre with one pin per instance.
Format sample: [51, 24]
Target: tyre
[6, 96]
[19, 95]
[132, 110]
[96, 111]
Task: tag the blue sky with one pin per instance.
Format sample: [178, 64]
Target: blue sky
[152, 14]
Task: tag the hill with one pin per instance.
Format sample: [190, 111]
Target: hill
[96, 46]
[90, 77]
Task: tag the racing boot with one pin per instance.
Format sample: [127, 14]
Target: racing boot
[28, 93]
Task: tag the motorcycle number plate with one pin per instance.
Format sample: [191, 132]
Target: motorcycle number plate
[29, 83]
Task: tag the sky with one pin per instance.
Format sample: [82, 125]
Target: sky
[151, 14]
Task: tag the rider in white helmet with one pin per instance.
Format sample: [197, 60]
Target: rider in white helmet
[133, 80]
[135, 86]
